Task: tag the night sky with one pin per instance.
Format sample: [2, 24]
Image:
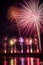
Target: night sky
[4, 23]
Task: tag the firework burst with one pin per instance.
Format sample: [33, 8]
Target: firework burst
[28, 17]
[31, 18]
[13, 13]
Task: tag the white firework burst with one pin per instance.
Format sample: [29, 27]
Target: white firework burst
[12, 15]
[31, 18]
